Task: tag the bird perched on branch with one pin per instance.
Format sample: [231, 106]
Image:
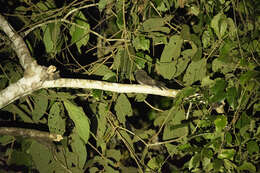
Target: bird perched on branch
[142, 78]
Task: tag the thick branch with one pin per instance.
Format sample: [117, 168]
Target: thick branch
[34, 74]
[107, 86]
[31, 133]
[18, 43]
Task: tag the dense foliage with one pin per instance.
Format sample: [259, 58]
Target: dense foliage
[209, 50]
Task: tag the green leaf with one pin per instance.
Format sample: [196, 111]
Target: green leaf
[247, 166]
[79, 148]
[196, 71]
[102, 4]
[80, 120]
[120, 20]
[217, 164]
[115, 154]
[232, 28]
[232, 96]
[152, 23]
[223, 28]
[243, 121]
[102, 121]
[49, 45]
[20, 158]
[207, 152]
[228, 138]
[141, 59]
[166, 69]
[55, 122]
[206, 39]
[101, 70]
[16, 110]
[227, 154]
[80, 32]
[185, 32]
[220, 123]
[141, 43]
[221, 64]
[41, 157]
[195, 10]
[244, 78]
[155, 163]
[123, 108]
[206, 81]
[172, 50]
[218, 91]
[5, 140]
[40, 105]
[215, 22]
[252, 147]
[182, 64]
[174, 128]
[194, 161]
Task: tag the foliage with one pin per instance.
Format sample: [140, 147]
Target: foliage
[206, 47]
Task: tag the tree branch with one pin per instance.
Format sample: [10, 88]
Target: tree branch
[107, 86]
[37, 77]
[31, 133]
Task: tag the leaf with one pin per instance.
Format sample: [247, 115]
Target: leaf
[232, 28]
[41, 156]
[6, 139]
[206, 81]
[79, 148]
[21, 159]
[252, 147]
[102, 4]
[215, 24]
[195, 72]
[55, 122]
[232, 96]
[174, 128]
[113, 153]
[194, 161]
[228, 138]
[172, 50]
[185, 32]
[120, 20]
[227, 154]
[141, 43]
[40, 105]
[152, 23]
[247, 76]
[206, 39]
[80, 32]
[49, 45]
[155, 163]
[102, 121]
[222, 65]
[123, 63]
[101, 70]
[182, 64]
[243, 121]
[16, 110]
[247, 166]
[223, 28]
[123, 108]
[166, 69]
[220, 123]
[218, 91]
[80, 120]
